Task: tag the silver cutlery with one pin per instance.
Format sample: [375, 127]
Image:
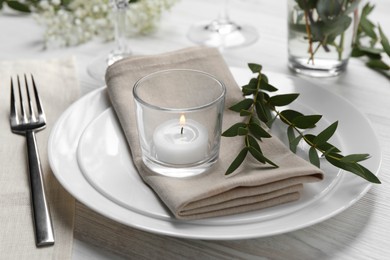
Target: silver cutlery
[27, 123]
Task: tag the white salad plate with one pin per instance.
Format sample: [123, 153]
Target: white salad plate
[89, 156]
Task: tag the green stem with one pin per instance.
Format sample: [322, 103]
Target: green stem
[340, 47]
[284, 119]
[308, 32]
[315, 51]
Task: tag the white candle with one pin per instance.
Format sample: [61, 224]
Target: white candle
[180, 141]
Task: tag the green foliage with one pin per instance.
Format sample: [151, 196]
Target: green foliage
[20, 6]
[372, 43]
[261, 109]
[252, 109]
[324, 21]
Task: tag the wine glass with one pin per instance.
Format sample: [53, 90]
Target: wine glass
[222, 32]
[97, 68]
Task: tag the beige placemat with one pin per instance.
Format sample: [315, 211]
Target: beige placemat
[212, 194]
[58, 88]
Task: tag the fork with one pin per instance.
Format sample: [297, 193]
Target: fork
[27, 123]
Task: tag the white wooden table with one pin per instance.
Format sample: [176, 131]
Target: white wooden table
[360, 232]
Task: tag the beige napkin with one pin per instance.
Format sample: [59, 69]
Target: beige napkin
[58, 87]
[212, 194]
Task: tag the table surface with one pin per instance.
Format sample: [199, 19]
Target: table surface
[360, 232]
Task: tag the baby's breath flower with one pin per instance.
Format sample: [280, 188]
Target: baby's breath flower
[83, 20]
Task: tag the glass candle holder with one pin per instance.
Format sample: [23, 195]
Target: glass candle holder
[179, 118]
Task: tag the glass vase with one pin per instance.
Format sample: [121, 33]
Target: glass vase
[320, 35]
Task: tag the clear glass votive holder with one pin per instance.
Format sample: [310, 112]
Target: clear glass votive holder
[179, 118]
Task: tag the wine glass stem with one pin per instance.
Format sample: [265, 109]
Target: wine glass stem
[121, 48]
[223, 16]
[120, 29]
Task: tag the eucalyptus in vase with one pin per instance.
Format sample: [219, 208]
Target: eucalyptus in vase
[320, 35]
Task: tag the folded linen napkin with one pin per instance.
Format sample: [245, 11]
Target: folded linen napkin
[58, 88]
[211, 194]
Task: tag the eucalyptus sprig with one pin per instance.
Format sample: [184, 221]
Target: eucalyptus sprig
[372, 43]
[260, 107]
[252, 129]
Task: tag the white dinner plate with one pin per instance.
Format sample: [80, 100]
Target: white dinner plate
[90, 158]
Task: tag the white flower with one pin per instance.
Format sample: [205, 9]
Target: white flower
[56, 2]
[83, 20]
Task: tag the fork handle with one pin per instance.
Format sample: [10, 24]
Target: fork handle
[44, 234]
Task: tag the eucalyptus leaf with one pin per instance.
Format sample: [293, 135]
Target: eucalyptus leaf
[294, 143]
[258, 131]
[256, 154]
[271, 121]
[366, 41]
[244, 112]
[327, 147]
[337, 26]
[317, 31]
[252, 142]
[242, 131]
[255, 120]
[264, 77]
[244, 104]
[313, 157]
[261, 111]
[377, 64]
[384, 41]
[237, 162]
[233, 130]
[266, 86]
[259, 156]
[283, 99]
[271, 162]
[265, 96]
[328, 9]
[248, 90]
[368, 28]
[292, 139]
[358, 51]
[306, 122]
[370, 50]
[290, 133]
[309, 137]
[367, 9]
[255, 68]
[306, 4]
[288, 115]
[19, 6]
[326, 134]
[355, 157]
[330, 150]
[251, 87]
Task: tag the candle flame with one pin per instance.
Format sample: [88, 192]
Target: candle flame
[182, 120]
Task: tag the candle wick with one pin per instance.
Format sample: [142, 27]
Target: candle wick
[181, 131]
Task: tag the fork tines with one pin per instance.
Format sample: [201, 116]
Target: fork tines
[22, 117]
